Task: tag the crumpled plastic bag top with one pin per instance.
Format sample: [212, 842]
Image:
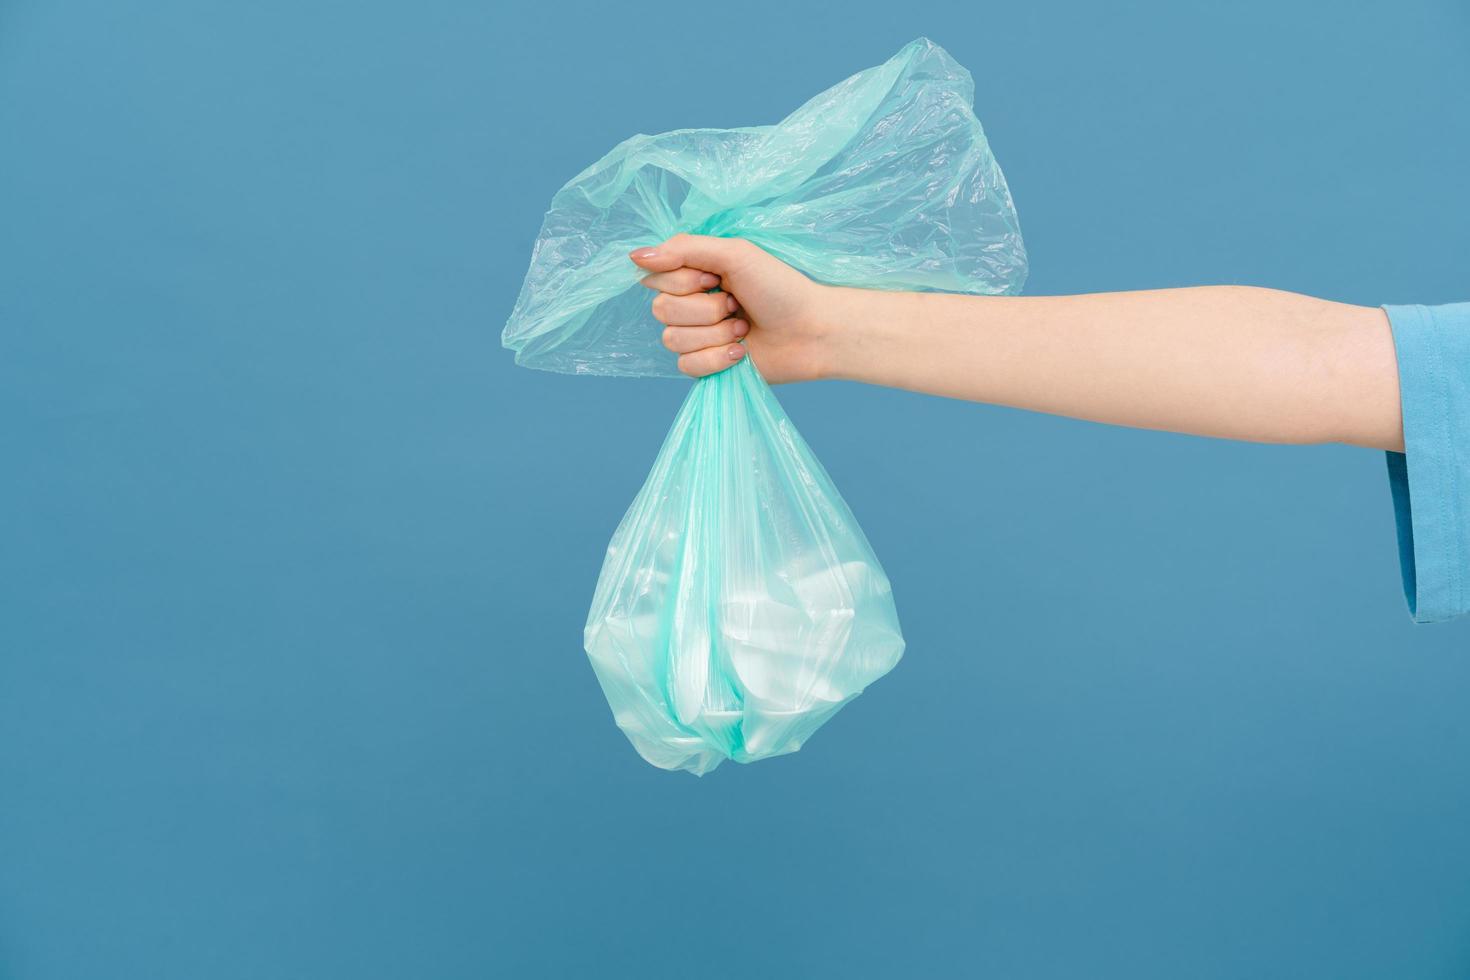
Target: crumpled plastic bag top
[885, 180]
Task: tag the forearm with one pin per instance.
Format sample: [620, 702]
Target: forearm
[1230, 361]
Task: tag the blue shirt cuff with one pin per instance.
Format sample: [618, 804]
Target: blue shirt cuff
[1428, 479]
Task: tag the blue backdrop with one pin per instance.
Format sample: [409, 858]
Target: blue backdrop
[294, 561]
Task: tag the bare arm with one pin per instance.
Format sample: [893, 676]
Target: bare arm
[1231, 361]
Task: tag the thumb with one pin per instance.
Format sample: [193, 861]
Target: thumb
[722, 256]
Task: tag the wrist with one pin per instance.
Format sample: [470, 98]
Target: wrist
[817, 331]
[824, 330]
[848, 332]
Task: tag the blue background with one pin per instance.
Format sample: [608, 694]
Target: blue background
[295, 562]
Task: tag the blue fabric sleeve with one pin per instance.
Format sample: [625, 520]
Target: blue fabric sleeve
[1430, 477]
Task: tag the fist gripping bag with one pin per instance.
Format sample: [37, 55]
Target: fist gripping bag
[740, 605]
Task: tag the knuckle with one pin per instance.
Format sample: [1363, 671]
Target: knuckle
[743, 252]
[668, 338]
[686, 366]
[660, 306]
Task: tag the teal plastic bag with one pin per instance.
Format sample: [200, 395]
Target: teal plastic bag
[885, 180]
[740, 605]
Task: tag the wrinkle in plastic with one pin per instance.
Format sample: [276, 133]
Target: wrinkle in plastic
[740, 604]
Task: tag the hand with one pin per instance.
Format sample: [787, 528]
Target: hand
[765, 307]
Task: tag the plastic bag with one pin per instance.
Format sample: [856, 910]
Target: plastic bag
[740, 605]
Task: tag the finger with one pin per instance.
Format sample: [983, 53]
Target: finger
[682, 282]
[720, 256]
[711, 360]
[699, 310]
[687, 340]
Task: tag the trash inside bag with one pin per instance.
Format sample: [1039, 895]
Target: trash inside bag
[740, 605]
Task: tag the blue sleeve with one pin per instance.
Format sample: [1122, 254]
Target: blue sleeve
[1430, 477]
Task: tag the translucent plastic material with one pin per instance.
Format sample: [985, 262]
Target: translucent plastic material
[740, 604]
[884, 180]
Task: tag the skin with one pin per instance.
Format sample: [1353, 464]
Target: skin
[1236, 362]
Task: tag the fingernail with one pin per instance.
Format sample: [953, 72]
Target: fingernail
[730, 303]
[643, 253]
[708, 281]
[741, 328]
[736, 352]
